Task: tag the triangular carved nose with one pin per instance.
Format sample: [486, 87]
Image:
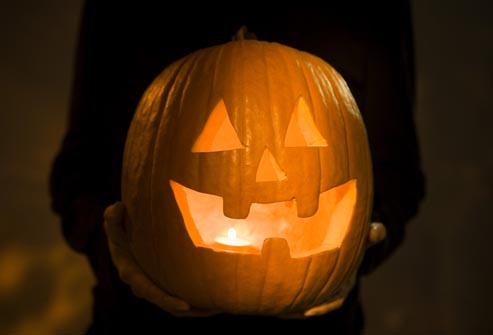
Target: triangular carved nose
[269, 169]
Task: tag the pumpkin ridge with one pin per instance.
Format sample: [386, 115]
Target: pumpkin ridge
[238, 276]
[298, 296]
[367, 156]
[305, 79]
[341, 104]
[271, 110]
[262, 285]
[337, 81]
[211, 99]
[241, 167]
[205, 271]
[325, 70]
[185, 66]
[157, 84]
[195, 60]
[287, 67]
[329, 279]
[303, 63]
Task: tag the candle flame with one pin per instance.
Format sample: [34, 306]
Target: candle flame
[232, 239]
[232, 234]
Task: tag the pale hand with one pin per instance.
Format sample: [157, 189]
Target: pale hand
[376, 234]
[131, 273]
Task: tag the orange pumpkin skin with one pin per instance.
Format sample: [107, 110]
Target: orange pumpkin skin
[259, 83]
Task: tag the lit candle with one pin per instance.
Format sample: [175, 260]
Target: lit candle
[232, 239]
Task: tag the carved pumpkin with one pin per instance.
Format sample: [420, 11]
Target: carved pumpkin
[247, 180]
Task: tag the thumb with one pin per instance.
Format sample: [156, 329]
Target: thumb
[377, 233]
[114, 213]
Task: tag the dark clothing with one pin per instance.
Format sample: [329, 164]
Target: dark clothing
[122, 49]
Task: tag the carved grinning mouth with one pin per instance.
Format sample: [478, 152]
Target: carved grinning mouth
[325, 230]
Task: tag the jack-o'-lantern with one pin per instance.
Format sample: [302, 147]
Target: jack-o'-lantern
[247, 180]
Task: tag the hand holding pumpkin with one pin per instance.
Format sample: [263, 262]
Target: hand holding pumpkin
[377, 233]
[130, 271]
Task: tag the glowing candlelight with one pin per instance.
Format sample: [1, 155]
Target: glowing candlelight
[232, 239]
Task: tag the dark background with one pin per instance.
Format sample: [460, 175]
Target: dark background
[438, 282]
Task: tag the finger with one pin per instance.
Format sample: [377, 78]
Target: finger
[144, 288]
[114, 213]
[131, 273]
[324, 308]
[114, 230]
[377, 233]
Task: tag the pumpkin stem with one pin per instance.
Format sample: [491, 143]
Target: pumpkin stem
[244, 34]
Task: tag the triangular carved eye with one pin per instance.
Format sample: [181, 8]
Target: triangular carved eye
[269, 169]
[218, 133]
[302, 131]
